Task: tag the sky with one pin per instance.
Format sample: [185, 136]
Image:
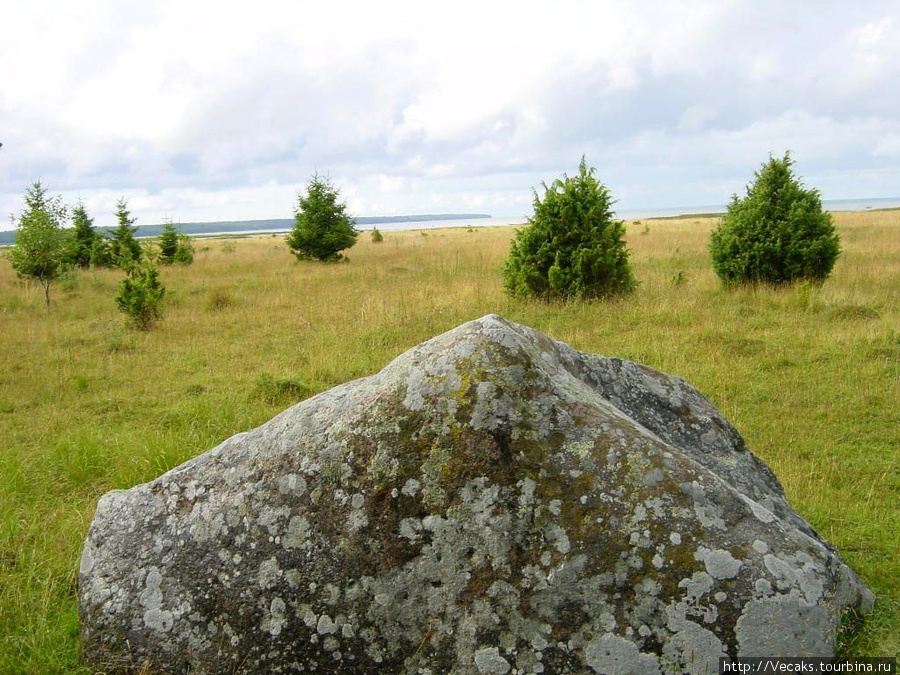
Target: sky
[207, 110]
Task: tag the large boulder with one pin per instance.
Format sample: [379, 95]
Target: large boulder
[492, 502]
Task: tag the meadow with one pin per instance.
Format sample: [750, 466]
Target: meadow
[809, 375]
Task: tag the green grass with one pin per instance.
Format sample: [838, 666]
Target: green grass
[810, 376]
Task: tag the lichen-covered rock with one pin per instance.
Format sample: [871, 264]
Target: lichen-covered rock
[492, 502]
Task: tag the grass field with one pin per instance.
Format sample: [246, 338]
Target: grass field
[810, 376]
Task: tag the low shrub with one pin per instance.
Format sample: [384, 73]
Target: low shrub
[573, 247]
[777, 234]
[140, 296]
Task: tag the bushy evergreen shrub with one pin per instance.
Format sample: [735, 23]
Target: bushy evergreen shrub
[778, 233]
[572, 247]
[322, 226]
[101, 252]
[184, 251]
[377, 237]
[140, 295]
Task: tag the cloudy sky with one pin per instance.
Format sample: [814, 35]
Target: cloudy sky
[221, 110]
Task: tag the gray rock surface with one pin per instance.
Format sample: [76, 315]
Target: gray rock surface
[492, 502]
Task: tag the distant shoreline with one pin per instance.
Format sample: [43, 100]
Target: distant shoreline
[240, 228]
[280, 225]
[713, 210]
[275, 225]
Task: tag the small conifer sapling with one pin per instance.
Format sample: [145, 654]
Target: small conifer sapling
[322, 226]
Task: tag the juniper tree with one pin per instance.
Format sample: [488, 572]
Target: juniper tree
[572, 247]
[778, 233]
[141, 294]
[184, 250]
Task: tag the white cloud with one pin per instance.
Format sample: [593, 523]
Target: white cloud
[888, 146]
[391, 183]
[202, 109]
[695, 118]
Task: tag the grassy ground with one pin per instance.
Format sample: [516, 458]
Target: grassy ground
[810, 376]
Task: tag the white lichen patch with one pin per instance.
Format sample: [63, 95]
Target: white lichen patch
[160, 620]
[611, 653]
[272, 518]
[762, 513]
[356, 521]
[297, 532]
[719, 563]
[292, 484]
[207, 521]
[275, 619]
[325, 626]
[151, 596]
[709, 515]
[697, 586]
[693, 649]
[269, 573]
[309, 618]
[653, 477]
[86, 564]
[489, 662]
[411, 528]
[556, 536]
[493, 408]
[411, 487]
[799, 573]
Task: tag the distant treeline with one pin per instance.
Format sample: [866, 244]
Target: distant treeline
[269, 225]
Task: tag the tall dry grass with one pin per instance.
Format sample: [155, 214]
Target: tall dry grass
[810, 375]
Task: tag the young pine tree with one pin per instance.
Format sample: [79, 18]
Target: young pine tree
[42, 248]
[322, 226]
[778, 233]
[168, 244]
[84, 234]
[573, 247]
[124, 248]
